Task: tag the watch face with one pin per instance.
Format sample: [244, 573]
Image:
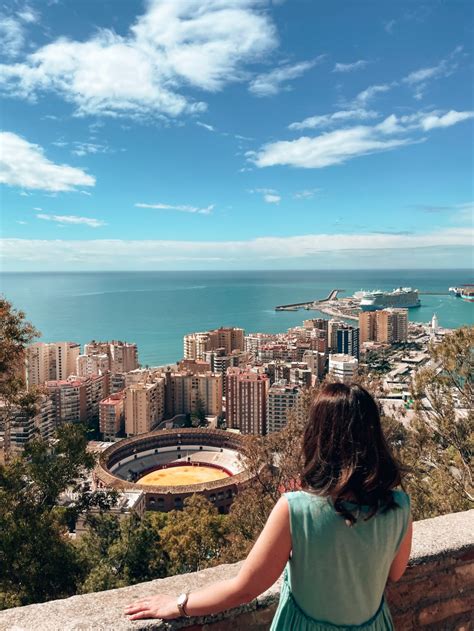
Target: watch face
[182, 598]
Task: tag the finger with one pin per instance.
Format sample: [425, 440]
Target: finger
[147, 613]
[136, 607]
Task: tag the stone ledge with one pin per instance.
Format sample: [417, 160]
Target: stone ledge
[440, 545]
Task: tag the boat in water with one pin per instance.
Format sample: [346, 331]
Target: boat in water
[466, 292]
[401, 298]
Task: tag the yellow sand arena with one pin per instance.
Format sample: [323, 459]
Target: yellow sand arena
[183, 476]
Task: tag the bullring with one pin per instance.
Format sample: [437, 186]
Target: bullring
[135, 464]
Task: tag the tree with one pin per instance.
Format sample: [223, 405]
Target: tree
[37, 561]
[441, 443]
[15, 334]
[117, 552]
[198, 416]
[194, 538]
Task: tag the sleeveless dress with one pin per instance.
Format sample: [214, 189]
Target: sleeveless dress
[336, 575]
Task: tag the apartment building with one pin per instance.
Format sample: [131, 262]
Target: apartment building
[387, 326]
[112, 415]
[144, 406]
[228, 338]
[50, 361]
[281, 399]
[343, 367]
[122, 356]
[246, 400]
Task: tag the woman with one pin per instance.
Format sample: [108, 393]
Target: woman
[341, 537]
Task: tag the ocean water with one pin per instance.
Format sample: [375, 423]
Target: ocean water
[155, 309]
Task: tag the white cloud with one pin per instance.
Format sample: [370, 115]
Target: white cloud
[431, 121]
[336, 147]
[24, 164]
[307, 193]
[331, 148]
[181, 208]
[28, 15]
[206, 126]
[202, 43]
[72, 220]
[149, 254]
[271, 83]
[356, 65]
[83, 148]
[419, 79]
[269, 195]
[325, 120]
[11, 36]
[368, 94]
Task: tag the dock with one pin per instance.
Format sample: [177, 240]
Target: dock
[310, 304]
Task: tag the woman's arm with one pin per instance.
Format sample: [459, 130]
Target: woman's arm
[260, 570]
[400, 562]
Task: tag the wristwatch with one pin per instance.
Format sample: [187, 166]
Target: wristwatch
[182, 602]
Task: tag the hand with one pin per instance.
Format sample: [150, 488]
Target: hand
[161, 606]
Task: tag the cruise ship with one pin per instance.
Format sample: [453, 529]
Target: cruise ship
[466, 292]
[401, 298]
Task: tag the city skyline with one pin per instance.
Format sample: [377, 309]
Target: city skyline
[240, 134]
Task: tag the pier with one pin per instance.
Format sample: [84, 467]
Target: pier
[310, 304]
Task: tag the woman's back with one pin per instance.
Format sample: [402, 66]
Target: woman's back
[337, 574]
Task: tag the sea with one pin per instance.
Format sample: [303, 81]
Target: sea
[156, 309]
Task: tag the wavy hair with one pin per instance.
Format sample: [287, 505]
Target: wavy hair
[346, 457]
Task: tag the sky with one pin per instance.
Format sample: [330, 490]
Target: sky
[236, 134]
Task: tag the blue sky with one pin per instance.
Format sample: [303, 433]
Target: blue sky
[217, 134]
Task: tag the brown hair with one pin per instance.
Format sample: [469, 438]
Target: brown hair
[345, 454]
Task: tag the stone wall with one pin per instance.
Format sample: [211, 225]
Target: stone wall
[436, 593]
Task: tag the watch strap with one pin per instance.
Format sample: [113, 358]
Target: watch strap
[182, 602]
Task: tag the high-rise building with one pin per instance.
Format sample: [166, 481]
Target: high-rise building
[45, 362]
[333, 327]
[195, 345]
[76, 399]
[367, 328]
[281, 399]
[316, 362]
[123, 356]
[392, 325]
[254, 341]
[144, 406]
[112, 415]
[387, 326]
[228, 338]
[348, 341]
[209, 392]
[184, 390]
[246, 401]
[343, 367]
[316, 323]
[69, 397]
[92, 364]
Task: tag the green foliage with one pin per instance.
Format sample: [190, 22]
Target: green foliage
[37, 562]
[194, 537]
[15, 334]
[198, 416]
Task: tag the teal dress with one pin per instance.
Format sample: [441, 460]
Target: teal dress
[336, 576]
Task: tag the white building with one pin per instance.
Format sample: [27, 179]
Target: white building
[281, 399]
[343, 367]
[46, 362]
